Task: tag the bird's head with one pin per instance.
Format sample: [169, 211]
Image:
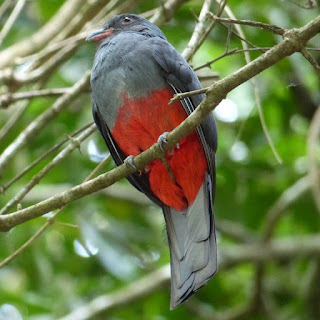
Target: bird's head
[126, 23]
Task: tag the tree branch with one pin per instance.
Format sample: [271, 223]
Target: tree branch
[200, 35]
[8, 98]
[41, 121]
[75, 143]
[313, 157]
[43, 36]
[286, 199]
[294, 40]
[7, 185]
[197, 32]
[14, 15]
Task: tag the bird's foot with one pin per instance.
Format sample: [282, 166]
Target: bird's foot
[128, 161]
[162, 140]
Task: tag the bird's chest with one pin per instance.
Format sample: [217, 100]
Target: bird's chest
[141, 120]
[118, 78]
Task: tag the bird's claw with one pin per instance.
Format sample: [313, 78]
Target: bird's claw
[162, 140]
[128, 161]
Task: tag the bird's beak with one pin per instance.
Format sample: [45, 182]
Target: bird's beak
[99, 34]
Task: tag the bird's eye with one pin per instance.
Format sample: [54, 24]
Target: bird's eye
[126, 20]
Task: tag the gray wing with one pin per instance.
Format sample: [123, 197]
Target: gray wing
[191, 233]
[182, 78]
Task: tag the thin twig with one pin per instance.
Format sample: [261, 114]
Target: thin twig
[242, 38]
[286, 199]
[256, 91]
[4, 7]
[7, 99]
[98, 167]
[205, 33]
[202, 311]
[112, 8]
[313, 157]
[264, 26]
[51, 48]
[75, 143]
[179, 96]
[16, 79]
[198, 30]
[235, 231]
[132, 292]
[256, 294]
[311, 289]
[263, 121]
[11, 20]
[229, 53]
[43, 36]
[82, 24]
[228, 38]
[309, 4]
[312, 61]
[80, 21]
[41, 121]
[43, 156]
[281, 249]
[9, 125]
[49, 222]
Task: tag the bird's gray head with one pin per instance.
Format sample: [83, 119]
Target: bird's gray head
[126, 23]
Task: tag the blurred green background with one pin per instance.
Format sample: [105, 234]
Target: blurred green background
[108, 240]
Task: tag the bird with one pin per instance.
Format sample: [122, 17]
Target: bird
[135, 73]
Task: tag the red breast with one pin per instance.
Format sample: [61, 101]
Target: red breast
[139, 124]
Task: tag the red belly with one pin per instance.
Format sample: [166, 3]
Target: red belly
[139, 124]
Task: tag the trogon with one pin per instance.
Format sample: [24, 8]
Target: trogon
[135, 74]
